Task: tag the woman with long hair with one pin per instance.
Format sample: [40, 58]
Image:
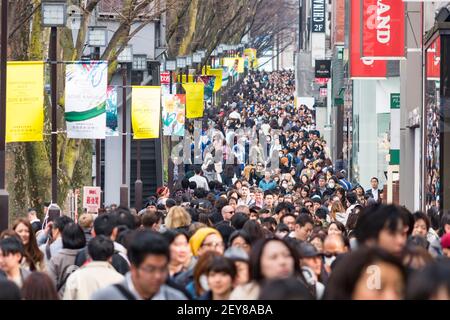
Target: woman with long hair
[34, 258]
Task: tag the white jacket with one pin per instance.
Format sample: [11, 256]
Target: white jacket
[91, 277]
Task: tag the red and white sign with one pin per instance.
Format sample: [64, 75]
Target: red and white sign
[91, 199]
[434, 60]
[383, 29]
[323, 92]
[322, 81]
[165, 77]
[362, 68]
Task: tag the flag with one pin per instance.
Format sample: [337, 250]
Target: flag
[85, 98]
[25, 101]
[194, 99]
[145, 112]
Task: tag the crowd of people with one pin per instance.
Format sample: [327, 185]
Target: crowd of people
[243, 229]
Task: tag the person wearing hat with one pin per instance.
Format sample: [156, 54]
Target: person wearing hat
[241, 260]
[206, 239]
[445, 244]
[311, 262]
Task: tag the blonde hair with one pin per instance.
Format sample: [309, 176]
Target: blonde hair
[86, 220]
[336, 206]
[177, 217]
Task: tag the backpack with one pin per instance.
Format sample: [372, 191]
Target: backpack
[68, 270]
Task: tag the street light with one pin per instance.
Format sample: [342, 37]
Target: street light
[124, 58]
[54, 15]
[181, 64]
[4, 196]
[139, 64]
[97, 37]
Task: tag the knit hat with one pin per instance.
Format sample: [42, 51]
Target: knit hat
[445, 241]
[199, 236]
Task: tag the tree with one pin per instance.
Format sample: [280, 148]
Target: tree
[28, 164]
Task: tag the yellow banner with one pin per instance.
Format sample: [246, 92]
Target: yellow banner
[235, 63]
[252, 57]
[190, 78]
[145, 112]
[218, 73]
[194, 99]
[25, 101]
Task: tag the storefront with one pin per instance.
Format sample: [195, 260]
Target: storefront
[436, 120]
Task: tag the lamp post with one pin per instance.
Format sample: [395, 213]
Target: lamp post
[54, 16]
[197, 60]
[188, 64]
[171, 66]
[97, 38]
[139, 64]
[124, 58]
[4, 196]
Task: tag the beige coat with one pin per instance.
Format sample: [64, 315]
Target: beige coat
[89, 278]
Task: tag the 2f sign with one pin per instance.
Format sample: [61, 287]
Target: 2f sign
[318, 16]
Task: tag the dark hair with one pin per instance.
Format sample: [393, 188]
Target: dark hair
[285, 289]
[185, 183]
[238, 220]
[100, 248]
[254, 231]
[104, 224]
[426, 283]
[73, 237]
[256, 254]
[303, 219]
[374, 178]
[221, 264]
[351, 197]
[422, 216]
[171, 234]
[239, 233]
[445, 220]
[144, 243]
[340, 226]
[170, 203]
[125, 217]
[375, 218]
[12, 245]
[197, 170]
[287, 215]
[9, 290]
[32, 252]
[61, 222]
[348, 270]
[39, 286]
[150, 218]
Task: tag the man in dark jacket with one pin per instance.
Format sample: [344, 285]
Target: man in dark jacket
[106, 224]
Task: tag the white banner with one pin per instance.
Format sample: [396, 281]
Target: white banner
[85, 99]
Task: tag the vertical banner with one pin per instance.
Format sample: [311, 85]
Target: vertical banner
[86, 91]
[25, 102]
[173, 114]
[208, 81]
[383, 29]
[361, 68]
[225, 76]
[145, 112]
[395, 130]
[218, 73]
[194, 99]
[318, 15]
[252, 57]
[434, 60]
[111, 112]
